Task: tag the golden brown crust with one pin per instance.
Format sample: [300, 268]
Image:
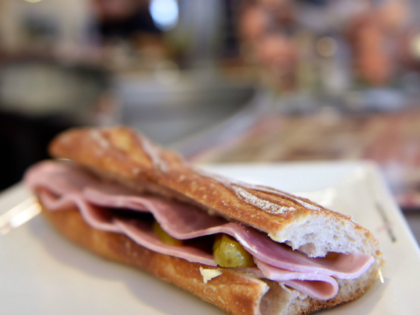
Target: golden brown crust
[123, 155]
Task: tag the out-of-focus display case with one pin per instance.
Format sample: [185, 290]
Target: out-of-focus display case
[223, 80]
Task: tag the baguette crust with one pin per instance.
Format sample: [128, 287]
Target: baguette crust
[122, 155]
[234, 292]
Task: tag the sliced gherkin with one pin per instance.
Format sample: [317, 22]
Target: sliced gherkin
[227, 252]
[165, 237]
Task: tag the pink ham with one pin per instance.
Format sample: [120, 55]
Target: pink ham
[61, 185]
[185, 222]
[93, 215]
[317, 286]
[180, 220]
[140, 232]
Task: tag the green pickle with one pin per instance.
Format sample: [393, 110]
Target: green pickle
[227, 252]
[165, 237]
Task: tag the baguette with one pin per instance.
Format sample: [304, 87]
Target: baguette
[121, 155]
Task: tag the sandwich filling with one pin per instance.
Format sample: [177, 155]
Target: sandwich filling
[113, 208]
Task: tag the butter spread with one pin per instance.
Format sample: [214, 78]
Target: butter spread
[209, 274]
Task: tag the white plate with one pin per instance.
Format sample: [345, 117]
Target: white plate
[42, 273]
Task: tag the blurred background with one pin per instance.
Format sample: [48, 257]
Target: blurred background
[219, 81]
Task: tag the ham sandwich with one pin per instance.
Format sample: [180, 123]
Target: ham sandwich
[115, 183]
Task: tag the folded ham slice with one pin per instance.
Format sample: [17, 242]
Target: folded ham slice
[140, 232]
[62, 185]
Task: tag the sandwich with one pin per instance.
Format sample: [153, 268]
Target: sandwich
[247, 249]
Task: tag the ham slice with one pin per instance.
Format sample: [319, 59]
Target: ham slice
[95, 216]
[185, 222]
[317, 286]
[140, 232]
[61, 185]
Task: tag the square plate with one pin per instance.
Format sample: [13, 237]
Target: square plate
[42, 273]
